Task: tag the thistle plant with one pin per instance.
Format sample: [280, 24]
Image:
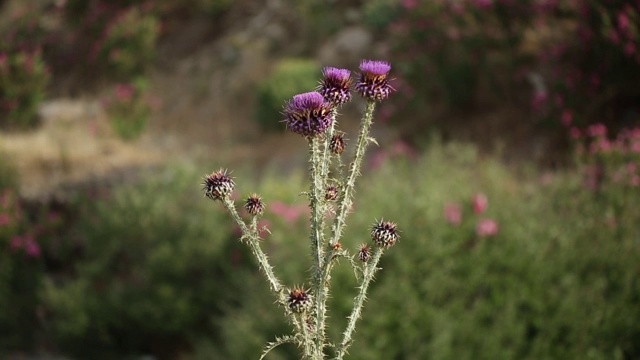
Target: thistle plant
[330, 195]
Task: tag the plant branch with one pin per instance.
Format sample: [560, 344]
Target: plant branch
[356, 313]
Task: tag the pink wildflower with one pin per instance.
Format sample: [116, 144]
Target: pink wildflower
[453, 214]
[125, 92]
[623, 21]
[575, 133]
[630, 49]
[567, 118]
[597, 130]
[31, 247]
[5, 220]
[480, 203]
[16, 243]
[288, 213]
[410, 4]
[486, 228]
[482, 4]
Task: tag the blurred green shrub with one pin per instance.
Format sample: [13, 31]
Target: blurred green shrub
[23, 82]
[290, 77]
[128, 45]
[154, 274]
[21, 270]
[128, 109]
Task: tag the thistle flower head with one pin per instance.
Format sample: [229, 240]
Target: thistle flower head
[331, 194]
[373, 83]
[364, 254]
[308, 114]
[384, 234]
[337, 144]
[254, 205]
[336, 85]
[218, 185]
[299, 300]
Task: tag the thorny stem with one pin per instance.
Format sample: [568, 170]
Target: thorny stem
[321, 287]
[356, 313]
[317, 220]
[308, 344]
[316, 205]
[344, 207]
[354, 171]
[253, 239]
[254, 244]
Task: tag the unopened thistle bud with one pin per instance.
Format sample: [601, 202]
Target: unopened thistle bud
[308, 114]
[331, 194]
[299, 300]
[364, 254]
[373, 83]
[337, 144]
[218, 185]
[254, 205]
[384, 234]
[337, 247]
[336, 85]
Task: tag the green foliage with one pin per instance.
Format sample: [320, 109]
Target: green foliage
[23, 81]
[128, 109]
[158, 269]
[161, 271]
[129, 45]
[290, 77]
[20, 273]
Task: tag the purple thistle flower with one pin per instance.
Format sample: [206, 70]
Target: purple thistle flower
[308, 114]
[336, 85]
[373, 83]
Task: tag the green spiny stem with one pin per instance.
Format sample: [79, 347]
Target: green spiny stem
[317, 234]
[320, 284]
[308, 343]
[250, 233]
[347, 193]
[325, 150]
[356, 313]
[254, 243]
[316, 205]
[344, 207]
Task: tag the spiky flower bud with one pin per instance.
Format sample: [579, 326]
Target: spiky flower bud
[308, 114]
[299, 300]
[384, 234]
[336, 85]
[337, 247]
[336, 250]
[254, 205]
[364, 254]
[331, 194]
[218, 185]
[337, 144]
[373, 83]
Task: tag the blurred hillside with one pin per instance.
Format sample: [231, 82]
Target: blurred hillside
[507, 76]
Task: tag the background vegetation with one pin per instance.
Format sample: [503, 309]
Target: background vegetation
[548, 270]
